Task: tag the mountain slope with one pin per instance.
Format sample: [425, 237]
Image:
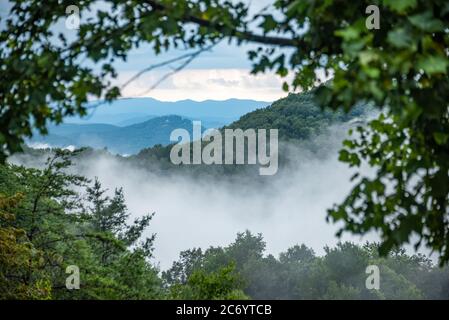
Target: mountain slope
[132, 139]
[297, 117]
[124, 140]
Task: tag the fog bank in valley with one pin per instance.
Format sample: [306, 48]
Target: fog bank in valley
[290, 208]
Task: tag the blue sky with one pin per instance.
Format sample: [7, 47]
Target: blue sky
[220, 74]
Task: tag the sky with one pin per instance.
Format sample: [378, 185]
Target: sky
[221, 74]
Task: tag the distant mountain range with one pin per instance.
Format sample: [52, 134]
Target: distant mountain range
[128, 125]
[296, 116]
[124, 112]
[123, 140]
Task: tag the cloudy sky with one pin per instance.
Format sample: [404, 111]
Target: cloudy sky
[220, 74]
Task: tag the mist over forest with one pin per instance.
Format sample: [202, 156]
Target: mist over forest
[194, 211]
[224, 150]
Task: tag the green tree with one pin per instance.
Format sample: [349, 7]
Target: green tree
[299, 274]
[17, 258]
[108, 218]
[223, 284]
[46, 225]
[48, 207]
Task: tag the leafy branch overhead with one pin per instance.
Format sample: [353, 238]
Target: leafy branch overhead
[401, 68]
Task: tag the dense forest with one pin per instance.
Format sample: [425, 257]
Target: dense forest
[51, 219]
[299, 117]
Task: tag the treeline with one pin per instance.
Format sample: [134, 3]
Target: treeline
[298, 273]
[51, 219]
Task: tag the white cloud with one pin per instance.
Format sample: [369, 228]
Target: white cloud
[203, 84]
[40, 145]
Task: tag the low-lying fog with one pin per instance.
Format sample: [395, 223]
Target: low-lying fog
[289, 209]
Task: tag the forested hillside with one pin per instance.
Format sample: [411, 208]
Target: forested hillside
[46, 226]
[298, 117]
[129, 139]
[298, 273]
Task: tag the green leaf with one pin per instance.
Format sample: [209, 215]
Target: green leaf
[427, 22]
[440, 137]
[349, 33]
[400, 6]
[372, 72]
[269, 23]
[433, 64]
[400, 38]
[366, 57]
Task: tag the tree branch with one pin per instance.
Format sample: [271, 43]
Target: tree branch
[189, 56]
[242, 35]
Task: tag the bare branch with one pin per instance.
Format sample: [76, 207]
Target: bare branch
[191, 57]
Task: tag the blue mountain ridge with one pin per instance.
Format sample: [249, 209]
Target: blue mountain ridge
[128, 125]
